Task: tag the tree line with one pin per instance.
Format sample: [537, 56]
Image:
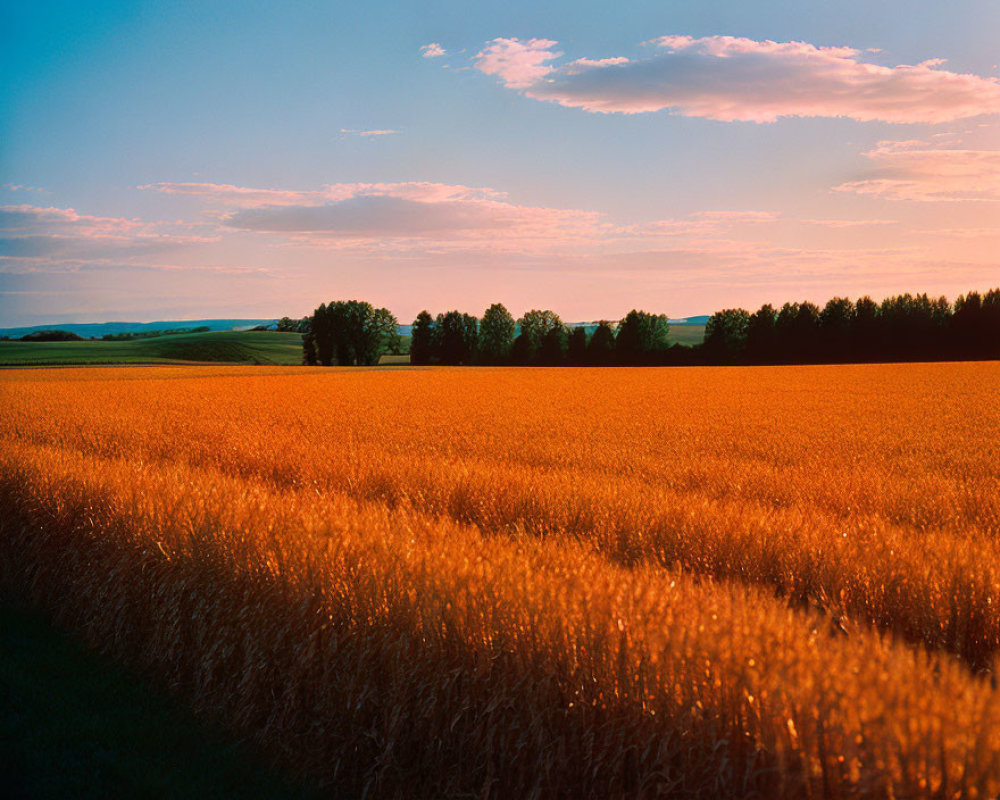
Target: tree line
[349, 333]
[354, 333]
[539, 337]
[905, 327]
[900, 328]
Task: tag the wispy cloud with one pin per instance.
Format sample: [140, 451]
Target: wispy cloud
[838, 224]
[916, 170]
[33, 235]
[432, 50]
[383, 211]
[729, 78]
[374, 132]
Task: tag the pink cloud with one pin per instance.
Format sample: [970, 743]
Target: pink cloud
[246, 197]
[383, 211]
[915, 170]
[374, 132]
[33, 235]
[432, 50]
[838, 224]
[739, 217]
[730, 78]
[519, 64]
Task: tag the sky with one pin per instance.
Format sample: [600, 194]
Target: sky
[185, 160]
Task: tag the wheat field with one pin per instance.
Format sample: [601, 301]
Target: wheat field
[737, 582]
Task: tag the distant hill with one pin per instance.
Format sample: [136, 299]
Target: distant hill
[699, 320]
[99, 329]
[234, 347]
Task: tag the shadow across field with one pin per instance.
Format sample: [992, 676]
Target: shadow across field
[76, 725]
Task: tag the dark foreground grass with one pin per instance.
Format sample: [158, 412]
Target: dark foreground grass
[74, 725]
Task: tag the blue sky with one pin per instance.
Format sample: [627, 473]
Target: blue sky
[557, 190]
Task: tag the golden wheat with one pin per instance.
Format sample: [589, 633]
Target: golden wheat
[314, 559]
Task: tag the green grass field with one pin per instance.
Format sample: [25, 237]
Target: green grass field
[233, 347]
[689, 335]
[238, 347]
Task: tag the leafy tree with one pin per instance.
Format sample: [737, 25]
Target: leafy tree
[496, 334]
[576, 348]
[912, 324]
[470, 325]
[309, 350]
[452, 337]
[975, 325]
[534, 326]
[323, 334]
[52, 336]
[349, 332]
[991, 323]
[384, 333]
[797, 332]
[287, 325]
[866, 329]
[552, 350]
[760, 335]
[642, 337]
[835, 321]
[520, 351]
[601, 348]
[422, 339]
[726, 334]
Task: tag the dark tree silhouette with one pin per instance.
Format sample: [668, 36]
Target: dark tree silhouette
[835, 321]
[552, 350]
[761, 342]
[496, 334]
[797, 332]
[991, 323]
[642, 337]
[451, 331]
[601, 348]
[309, 350]
[323, 334]
[534, 325]
[576, 348]
[51, 336]
[902, 327]
[470, 338]
[352, 332]
[455, 338]
[726, 335]
[967, 323]
[520, 351]
[865, 332]
[422, 339]
[912, 325]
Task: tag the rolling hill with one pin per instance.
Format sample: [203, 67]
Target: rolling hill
[238, 347]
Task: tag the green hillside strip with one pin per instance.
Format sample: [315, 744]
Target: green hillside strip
[232, 347]
[239, 347]
[75, 725]
[689, 335]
